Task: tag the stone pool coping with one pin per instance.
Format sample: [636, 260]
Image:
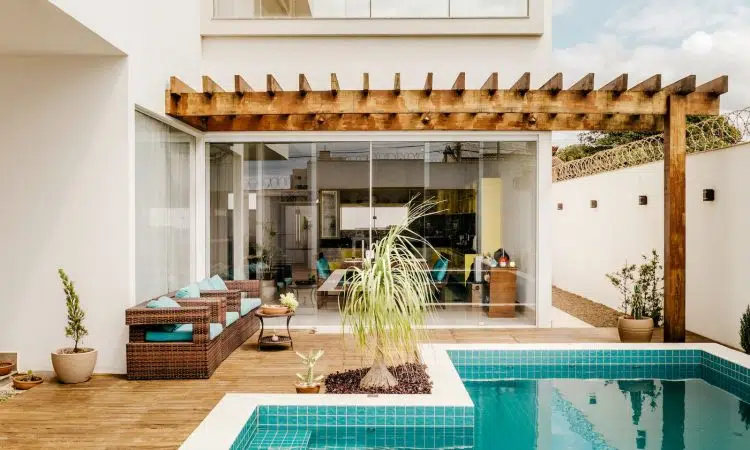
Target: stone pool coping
[226, 421]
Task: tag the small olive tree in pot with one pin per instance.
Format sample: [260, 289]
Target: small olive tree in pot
[73, 364]
[745, 331]
[642, 293]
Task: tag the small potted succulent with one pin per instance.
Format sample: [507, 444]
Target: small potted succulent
[26, 381]
[309, 383]
[76, 364]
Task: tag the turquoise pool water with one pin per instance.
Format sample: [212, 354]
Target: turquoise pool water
[540, 399]
[607, 414]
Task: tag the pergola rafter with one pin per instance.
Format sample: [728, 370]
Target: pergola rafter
[613, 107]
[647, 106]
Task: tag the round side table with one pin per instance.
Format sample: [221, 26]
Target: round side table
[268, 340]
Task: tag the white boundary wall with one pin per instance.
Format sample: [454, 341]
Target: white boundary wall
[588, 242]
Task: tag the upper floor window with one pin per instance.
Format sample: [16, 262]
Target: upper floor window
[365, 9]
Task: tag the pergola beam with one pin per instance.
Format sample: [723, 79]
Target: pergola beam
[428, 121]
[717, 86]
[241, 86]
[523, 84]
[492, 84]
[276, 101]
[650, 86]
[272, 86]
[681, 87]
[304, 85]
[459, 86]
[618, 85]
[334, 85]
[584, 85]
[428, 84]
[554, 85]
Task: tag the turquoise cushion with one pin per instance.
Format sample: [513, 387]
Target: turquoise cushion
[232, 317]
[218, 283]
[205, 285]
[324, 270]
[164, 302]
[440, 270]
[189, 291]
[248, 304]
[183, 333]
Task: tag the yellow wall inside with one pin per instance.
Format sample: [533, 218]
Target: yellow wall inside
[491, 214]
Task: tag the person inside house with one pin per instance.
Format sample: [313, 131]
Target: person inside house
[324, 270]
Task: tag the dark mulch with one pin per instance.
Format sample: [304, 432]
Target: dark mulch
[412, 379]
[582, 308]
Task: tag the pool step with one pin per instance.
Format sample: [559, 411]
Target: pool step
[270, 438]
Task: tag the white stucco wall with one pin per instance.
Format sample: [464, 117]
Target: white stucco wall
[64, 189]
[587, 243]
[161, 38]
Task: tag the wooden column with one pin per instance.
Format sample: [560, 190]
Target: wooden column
[674, 219]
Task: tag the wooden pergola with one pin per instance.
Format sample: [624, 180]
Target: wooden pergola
[646, 106]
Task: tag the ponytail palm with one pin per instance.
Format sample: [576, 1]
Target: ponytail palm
[388, 299]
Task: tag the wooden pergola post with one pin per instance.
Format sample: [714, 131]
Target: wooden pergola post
[674, 218]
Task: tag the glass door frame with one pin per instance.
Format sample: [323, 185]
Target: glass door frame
[543, 140]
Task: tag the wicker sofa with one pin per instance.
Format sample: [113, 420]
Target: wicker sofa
[199, 357]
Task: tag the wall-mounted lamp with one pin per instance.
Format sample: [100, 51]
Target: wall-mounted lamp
[559, 206]
[643, 200]
[708, 195]
[594, 203]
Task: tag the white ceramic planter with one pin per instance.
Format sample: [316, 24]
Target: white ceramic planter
[72, 368]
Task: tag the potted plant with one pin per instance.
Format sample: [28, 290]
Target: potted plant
[634, 326]
[642, 298]
[388, 298]
[26, 381]
[309, 383]
[289, 301]
[6, 367]
[745, 331]
[73, 365]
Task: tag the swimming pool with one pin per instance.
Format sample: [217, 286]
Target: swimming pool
[517, 397]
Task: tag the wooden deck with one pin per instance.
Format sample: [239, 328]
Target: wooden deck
[111, 412]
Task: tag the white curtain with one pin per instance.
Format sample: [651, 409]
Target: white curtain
[163, 207]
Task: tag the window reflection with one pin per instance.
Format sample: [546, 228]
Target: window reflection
[322, 9]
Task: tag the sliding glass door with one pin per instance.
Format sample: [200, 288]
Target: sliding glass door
[304, 212]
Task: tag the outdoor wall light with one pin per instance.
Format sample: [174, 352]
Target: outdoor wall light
[708, 195]
[559, 206]
[643, 200]
[594, 203]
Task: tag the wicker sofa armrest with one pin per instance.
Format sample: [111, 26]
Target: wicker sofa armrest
[217, 307]
[233, 298]
[251, 287]
[198, 316]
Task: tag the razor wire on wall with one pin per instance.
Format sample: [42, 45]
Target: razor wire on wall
[712, 133]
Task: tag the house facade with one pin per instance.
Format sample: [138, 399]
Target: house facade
[134, 204]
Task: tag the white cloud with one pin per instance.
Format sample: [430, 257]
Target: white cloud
[698, 43]
[714, 42]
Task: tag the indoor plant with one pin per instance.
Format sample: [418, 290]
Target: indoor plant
[309, 383]
[26, 381]
[387, 299]
[73, 365]
[634, 326]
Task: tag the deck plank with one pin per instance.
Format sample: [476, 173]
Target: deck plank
[111, 412]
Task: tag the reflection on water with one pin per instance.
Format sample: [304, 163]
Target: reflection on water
[601, 414]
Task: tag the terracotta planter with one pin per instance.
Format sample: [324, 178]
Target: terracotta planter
[6, 367]
[274, 309]
[307, 389]
[635, 330]
[25, 385]
[72, 368]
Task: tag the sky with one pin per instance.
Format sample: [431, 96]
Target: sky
[707, 38]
